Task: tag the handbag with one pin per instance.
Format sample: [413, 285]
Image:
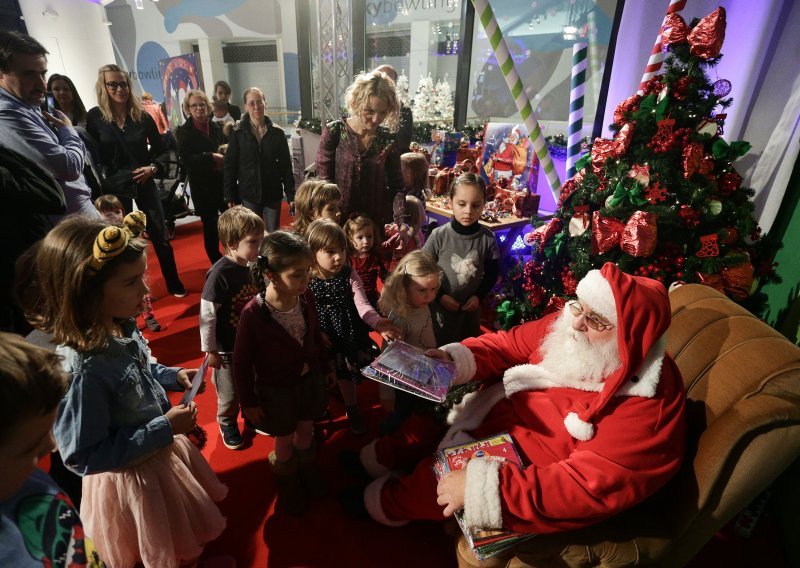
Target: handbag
[119, 183]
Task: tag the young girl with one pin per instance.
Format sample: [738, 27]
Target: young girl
[148, 494]
[414, 167]
[402, 240]
[279, 366]
[112, 210]
[316, 199]
[468, 255]
[346, 315]
[364, 251]
[405, 298]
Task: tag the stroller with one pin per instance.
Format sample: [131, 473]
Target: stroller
[172, 190]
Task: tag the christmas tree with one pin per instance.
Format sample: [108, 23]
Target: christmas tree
[424, 104]
[661, 198]
[445, 107]
[402, 89]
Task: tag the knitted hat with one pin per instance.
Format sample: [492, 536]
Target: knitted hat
[639, 307]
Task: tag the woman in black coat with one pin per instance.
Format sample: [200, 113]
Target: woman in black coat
[258, 168]
[199, 139]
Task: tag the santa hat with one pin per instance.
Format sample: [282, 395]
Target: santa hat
[639, 308]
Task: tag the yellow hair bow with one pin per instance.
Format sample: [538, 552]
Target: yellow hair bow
[112, 240]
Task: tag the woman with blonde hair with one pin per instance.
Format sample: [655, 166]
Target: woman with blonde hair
[359, 155]
[129, 146]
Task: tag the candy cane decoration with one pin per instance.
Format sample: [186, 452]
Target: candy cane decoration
[657, 55]
[576, 95]
[506, 63]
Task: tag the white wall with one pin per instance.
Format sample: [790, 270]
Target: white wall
[74, 34]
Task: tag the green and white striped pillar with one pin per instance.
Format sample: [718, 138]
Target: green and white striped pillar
[503, 56]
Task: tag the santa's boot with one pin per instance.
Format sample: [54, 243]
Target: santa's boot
[291, 497]
[310, 475]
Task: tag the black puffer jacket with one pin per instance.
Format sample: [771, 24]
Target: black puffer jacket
[258, 173]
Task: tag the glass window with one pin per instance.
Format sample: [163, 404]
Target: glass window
[540, 36]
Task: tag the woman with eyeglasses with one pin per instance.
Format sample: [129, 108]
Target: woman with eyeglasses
[199, 140]
[258, 168]
[128, 147]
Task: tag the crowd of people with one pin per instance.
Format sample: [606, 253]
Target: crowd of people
[288, 317]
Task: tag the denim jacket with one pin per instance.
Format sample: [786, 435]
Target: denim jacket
[113, 412]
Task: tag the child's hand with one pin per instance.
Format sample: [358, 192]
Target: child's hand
[439, 354]
[388, 330]
[215, 360]
[326, 341]
[254, 414]
[219, 161]
[451, 489]
[449, 303]
[182, 418]
[185, 377]
[472, 304]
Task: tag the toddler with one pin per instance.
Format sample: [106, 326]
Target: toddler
[346, 315]
[408, 236]
[281, 364]
[468, 255]
[414, 168]
[115, 426]
[229, 287]
[316, 199]
[112, 210]
[364, 248]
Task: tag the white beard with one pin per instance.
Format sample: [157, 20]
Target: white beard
[568, 354]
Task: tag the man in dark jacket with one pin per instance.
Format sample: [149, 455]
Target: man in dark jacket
[258, 167]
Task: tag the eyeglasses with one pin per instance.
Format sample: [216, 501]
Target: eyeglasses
[113, 85]
[198, 105]
[591, 320]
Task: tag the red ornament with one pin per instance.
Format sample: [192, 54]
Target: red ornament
[729, 182]
[627, 106]
[689, 216]
[681, 87]
[568, 281]
[738, 280]
[640, 234]
[606, 233]
[664, 134]
[623, 139]
[567, 189]
[555, 304]
[708, 246]
[536, 295]
[728, 236]
[692, 155]
[546, 232]
[654, 85]
[706, 165]
[641, 174]
[602, 150]
[656, 193]
[674, 30]
[707, 36]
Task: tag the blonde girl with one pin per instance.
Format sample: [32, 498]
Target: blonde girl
[364, 251]
[115, 426]
[316, 199]
[346, 315]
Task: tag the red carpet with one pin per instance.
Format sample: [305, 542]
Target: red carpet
[256, 536]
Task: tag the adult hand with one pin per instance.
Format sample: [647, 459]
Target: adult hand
[451, 489]
[57, 119]
[254, 414]
[141, 175]
[472, 304]
[215, 360]
[388, 330]
[439, 354]
[449, 303]
[185, 377]
[182, 418]
[219, 160]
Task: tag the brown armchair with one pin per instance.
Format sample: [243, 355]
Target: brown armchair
[743, 409]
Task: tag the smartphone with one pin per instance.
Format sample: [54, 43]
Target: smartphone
[49, 103]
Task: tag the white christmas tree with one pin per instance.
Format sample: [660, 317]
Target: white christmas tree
[424, 103]
[402, 89]
[444, 105]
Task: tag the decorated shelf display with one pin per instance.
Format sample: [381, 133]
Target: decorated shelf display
[661, 199]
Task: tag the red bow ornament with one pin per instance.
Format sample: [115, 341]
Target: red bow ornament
[637, 237]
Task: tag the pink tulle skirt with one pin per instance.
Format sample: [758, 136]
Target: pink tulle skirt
[159, 512]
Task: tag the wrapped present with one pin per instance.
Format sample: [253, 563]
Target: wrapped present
[526, 204]
[472, 154]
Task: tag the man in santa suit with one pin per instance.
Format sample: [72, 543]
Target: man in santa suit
[593, 403]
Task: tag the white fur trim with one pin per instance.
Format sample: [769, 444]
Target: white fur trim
[369, 459]
[482, 495]
[648, 374]
[464, 360]
[596, 292]
[372, 502]
[470, 412]
[577, 428]
[534, 377]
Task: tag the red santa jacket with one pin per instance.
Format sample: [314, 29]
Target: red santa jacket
[567, 483]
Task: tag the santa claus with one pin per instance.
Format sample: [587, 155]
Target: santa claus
[592, 401]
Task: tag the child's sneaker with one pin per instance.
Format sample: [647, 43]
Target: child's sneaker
[152, 323]
[231, 436]
[357, 424]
